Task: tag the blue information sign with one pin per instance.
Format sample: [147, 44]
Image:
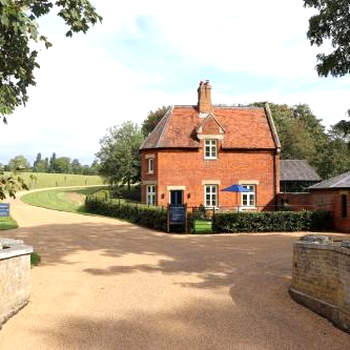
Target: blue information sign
[4, 209]
[177, 214]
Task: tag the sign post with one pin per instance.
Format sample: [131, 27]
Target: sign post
[4, 209]
[177, 215]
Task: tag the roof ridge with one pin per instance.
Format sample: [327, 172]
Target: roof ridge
[343, 179]
[272, 127]
[155, 129]
[166, 117]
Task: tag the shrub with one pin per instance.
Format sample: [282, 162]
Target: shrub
[152, 217]
[35, 259]
[274, 221]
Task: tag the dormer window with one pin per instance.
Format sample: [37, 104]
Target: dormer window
[210, 149]
[150, 166]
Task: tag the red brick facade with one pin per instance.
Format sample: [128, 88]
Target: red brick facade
[327, 199]
[189, 171]
[247, 154]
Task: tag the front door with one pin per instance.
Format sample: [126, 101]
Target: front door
[176, 197]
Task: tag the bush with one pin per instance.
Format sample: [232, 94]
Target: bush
[152, 217]
[35, 259]
[274, 221]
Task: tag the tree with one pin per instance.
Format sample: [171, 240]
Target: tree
[19, 163]
[152, 119]
[119, 154]
[62, 165]
[76, 167]
[39, 165]
[18, 58]
[331, 23]
[19, 30]
[10, 184]
[52, 164]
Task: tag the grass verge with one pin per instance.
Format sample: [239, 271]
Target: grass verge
[71, 200]
[7, 223]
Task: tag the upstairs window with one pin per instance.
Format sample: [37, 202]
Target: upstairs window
[210, 149]
[150, 165]
[249, 198]
[211, 196]
[151, 195]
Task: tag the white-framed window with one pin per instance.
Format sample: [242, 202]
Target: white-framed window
[150, 165]
[211, 196]
[249, 198]
[151, 194]
[210, 149]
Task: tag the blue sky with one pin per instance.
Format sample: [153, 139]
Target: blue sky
[148, 54]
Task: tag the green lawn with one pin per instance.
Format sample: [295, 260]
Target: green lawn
[7, 223]
[42, 180]
[71, 200]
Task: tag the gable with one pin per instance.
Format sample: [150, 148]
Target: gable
[210, 126]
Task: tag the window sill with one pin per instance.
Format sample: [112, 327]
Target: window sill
[211, 158]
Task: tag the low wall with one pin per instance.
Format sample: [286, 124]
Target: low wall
[321, 278]
[14, 277]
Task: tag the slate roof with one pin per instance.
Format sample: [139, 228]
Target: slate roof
[245, 128]
[297, 170]
[340, 181]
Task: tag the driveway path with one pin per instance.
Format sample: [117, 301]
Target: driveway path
[105, 284]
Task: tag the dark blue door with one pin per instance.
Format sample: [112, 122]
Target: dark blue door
[176, 197]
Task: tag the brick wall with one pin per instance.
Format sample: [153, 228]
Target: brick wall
[296, 201]
[321, 280]
[189, 168]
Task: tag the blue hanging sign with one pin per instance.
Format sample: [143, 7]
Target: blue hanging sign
[4, 209]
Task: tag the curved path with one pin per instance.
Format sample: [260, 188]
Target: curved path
[106, 284]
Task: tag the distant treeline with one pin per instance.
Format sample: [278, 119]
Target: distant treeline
[54, 164]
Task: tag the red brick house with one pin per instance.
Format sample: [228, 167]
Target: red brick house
[196, 151]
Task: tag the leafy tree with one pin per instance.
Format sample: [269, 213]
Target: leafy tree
[331, 23]
[62, 165]
[152, 119]
[119, 154]
[19, 30]
[18, 58]
[76, 167]
[10, 184]
[19, 163]
[52, 164]
[39, 165]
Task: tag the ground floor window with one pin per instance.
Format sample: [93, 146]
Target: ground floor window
[344, 206]
[151, 194]
[249, 198]
[211, 195]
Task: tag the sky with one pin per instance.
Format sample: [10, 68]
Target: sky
[147, 54]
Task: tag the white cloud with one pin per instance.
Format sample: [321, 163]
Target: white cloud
[83, 88]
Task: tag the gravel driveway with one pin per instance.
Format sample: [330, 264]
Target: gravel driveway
[106, 284]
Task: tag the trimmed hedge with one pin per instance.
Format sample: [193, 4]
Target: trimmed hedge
[272, 221]
[152, 217]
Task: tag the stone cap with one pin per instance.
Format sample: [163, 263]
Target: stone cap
[316, 239]
[13, 247]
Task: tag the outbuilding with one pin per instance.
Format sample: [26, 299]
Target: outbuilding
[333, 195]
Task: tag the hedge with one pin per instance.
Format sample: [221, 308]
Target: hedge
[273, 221]
[152, 217]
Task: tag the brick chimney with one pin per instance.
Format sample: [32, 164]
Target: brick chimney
[204, 97]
